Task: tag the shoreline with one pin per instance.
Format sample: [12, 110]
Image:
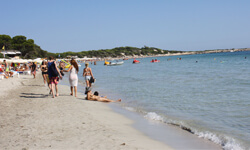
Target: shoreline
[171, 135]
[32, 119]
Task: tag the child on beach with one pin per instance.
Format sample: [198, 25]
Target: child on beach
[61, 67]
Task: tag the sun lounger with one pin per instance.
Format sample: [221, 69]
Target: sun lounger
[24, 72]
[1, 75]
[15, 73]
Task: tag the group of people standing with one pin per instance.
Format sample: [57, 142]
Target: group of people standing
[51, 78]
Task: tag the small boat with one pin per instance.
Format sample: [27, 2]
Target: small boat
[136, 61]
[154, 60]
[106, 62]
[115, 63]
[125, 58]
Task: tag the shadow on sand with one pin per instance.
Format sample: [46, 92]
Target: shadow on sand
[33, 95]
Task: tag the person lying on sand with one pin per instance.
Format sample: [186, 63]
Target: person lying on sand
[92, 97]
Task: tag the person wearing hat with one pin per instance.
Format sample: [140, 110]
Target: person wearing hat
[87, 73]
[95, 97]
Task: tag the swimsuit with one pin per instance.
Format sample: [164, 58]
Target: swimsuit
[53, 80]
[87, 77]
[44, 72]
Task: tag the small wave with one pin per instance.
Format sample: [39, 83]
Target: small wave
[226, 142]
[130, 109]
[153, 116]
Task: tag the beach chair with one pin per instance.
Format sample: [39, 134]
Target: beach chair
[1, 75]
[15, 73]
[27, 72]
[24, 72]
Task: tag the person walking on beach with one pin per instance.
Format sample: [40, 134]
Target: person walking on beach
[7, 71]
[53, 73]
[73, 78]
[44, 70]
[33, 69]
[87, 73]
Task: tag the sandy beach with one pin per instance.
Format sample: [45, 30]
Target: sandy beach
[32, 119]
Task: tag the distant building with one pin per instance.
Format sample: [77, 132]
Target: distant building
[72, 57]
[11, 53]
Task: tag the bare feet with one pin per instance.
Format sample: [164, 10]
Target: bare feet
[57, 95]
[119, 100]
[71, 94]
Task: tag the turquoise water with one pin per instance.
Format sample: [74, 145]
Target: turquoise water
[206, 94]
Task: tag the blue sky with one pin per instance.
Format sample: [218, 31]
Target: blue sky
[80, 25]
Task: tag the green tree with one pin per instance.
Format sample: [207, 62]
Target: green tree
[28, 50]
[5, 40]
[17, 42]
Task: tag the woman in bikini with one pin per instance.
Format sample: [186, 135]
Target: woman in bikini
[87, 73]
[44, 70]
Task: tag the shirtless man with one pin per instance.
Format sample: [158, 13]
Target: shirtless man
[92, 97]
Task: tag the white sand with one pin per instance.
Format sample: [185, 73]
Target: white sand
[32, 119]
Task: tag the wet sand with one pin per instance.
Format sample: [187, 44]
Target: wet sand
[31, 119]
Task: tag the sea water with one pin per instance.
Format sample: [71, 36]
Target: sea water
[205, 94]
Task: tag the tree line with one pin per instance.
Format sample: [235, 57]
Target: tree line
[30, 50]
[27, 47]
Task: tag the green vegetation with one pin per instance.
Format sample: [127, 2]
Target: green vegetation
[29, 49]
[26, 46]
[119, 52]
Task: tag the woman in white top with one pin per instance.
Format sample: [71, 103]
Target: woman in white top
[73, 78]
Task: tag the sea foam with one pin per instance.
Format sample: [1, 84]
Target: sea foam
[226, 142]
[154, 116]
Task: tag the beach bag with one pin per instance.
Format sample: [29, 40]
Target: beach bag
[92, 80]
[54, 72]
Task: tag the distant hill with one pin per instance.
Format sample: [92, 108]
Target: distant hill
[29, 49]
[120, 52]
